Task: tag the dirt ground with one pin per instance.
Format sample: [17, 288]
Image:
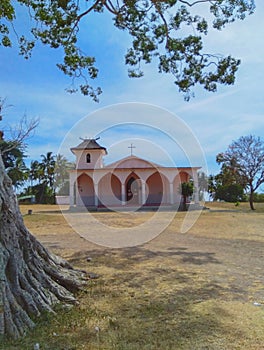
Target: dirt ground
[226, 243]
[197, 290]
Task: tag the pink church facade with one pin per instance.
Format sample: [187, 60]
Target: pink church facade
[131, 181]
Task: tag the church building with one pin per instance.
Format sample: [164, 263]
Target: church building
[128, 182]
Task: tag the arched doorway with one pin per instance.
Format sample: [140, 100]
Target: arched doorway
[85, 191]
[109, 190]
[133, 190]
[155, 189]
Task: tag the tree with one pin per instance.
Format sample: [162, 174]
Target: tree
[170, 32]
[47, 169]
[13, 157]
[35, 172]
[228, 185]
[12, 147]
[245, 157]
[32, 279]
[48, 166]
[52, 174]
[42, 193]
[62, 167]
[186, 190]
[230, 193]
[18, 173]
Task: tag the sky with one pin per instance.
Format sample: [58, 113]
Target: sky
[148, 112]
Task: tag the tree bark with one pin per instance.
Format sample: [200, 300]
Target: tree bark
[251, 199]
[31, 278]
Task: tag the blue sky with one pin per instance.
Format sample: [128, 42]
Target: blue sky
[36, 88]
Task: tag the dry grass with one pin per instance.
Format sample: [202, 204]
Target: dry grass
[180, 291]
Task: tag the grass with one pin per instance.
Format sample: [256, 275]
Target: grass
[192, 291]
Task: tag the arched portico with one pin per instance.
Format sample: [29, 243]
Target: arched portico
[177, 189]
[129, 181]
[85, 191]
[109, 190]
[155, 189]
[184, 176]
[133, 189]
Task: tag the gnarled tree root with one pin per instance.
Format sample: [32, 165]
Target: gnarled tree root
[31, 278]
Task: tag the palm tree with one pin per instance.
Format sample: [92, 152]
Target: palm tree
[35, 172]
[62, 168]
[18, 173]
[48, 167]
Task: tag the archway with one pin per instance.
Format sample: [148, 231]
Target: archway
[85, 191]
[155, 189]
[133, 189]
[109, 190]
[184, 176]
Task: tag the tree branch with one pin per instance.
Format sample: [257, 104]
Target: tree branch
[196, 2]
[111, 8]
[163, 19]
[21, 132]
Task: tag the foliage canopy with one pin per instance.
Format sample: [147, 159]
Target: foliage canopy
[13, 158]
[171, 32]
[245, 157]
[230, 193]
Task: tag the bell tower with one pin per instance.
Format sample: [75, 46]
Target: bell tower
[89, 154]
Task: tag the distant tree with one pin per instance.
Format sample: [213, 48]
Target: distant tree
[230, 193]
[168, 32]
[10, 152]
[52, 176]
[62, 167]
[258, 197]
[42, 193]
[245, 157]
[18, 173]
[47, 175]
[225, 186]
[186, 190]
[35, 172]
[48, 165]
[229, 175]
[13, 157]
[227, 181]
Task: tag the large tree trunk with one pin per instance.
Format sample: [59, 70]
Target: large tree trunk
[31, 278]
[251, 199]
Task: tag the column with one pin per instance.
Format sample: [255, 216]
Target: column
[96, 194]
[196, 187]
[171, 193]
[143, 190]
[72, 181]
[123, 194]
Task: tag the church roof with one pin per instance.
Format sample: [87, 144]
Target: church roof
[133, 161]
[88, 144]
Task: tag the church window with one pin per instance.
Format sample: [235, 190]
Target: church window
[88, 158]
